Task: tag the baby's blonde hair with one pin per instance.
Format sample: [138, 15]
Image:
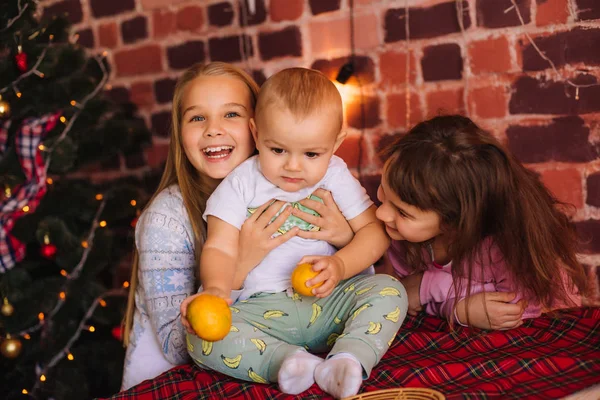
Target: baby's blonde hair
[301, 91]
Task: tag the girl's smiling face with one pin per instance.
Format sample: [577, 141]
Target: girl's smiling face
[404, 221]
[216, 112]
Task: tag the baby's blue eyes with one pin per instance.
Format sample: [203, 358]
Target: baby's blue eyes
[200, 118]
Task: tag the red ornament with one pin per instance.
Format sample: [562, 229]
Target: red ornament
[117, 332]
[134, 222]
[48, 251]
[21, 60]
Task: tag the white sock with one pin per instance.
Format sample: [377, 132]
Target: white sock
[297, 372]
[340, 376]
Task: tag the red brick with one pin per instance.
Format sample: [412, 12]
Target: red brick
[108, 35]
[348, 151]
[392, 65]
[565, 184]
[488, 101]
[589, 233]
[449, 101]
[552, 12]
[141, 94]
[154, 4]
[396, 110]
[489, 55]
[593, 189]
[190, 18]
[370, 107]
[164, 23]
[565, 139]
[156, 155]
[330, 35]
[286, 10]
[141, 60]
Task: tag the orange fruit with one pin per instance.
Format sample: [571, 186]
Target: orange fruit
[210, 317]
[301, 274]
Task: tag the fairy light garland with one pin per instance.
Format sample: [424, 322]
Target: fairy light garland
[546, 58]
[41, 373]
[80, 106]
[11, 21]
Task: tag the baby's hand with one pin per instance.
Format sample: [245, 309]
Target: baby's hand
[331, 271]
[184, 305]
[501, 314]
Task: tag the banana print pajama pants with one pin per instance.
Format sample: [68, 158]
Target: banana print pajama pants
[361, 316]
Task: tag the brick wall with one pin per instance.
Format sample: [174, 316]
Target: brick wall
[478, 57]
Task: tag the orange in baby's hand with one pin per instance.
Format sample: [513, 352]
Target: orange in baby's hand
[210, 317]
[301, 274]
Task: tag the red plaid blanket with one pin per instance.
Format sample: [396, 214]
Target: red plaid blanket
[546, 358]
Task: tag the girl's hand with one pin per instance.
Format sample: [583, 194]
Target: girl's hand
[331, 271]
[184, 305]
[334, 226]
[255, 236]
[412, 284]
[501, 314]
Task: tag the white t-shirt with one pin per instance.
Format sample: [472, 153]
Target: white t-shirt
[246, 187]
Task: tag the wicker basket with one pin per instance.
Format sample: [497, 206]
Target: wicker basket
[400, 394]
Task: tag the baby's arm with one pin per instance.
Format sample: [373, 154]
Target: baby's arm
[217, 264]
[219, 256]
[368, 245]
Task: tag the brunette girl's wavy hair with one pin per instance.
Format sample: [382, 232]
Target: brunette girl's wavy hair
[452, 167]
[195, 187]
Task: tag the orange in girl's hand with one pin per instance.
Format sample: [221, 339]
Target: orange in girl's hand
[301, 274]
[210, 317]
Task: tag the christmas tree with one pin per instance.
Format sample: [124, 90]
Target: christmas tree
[61, 237]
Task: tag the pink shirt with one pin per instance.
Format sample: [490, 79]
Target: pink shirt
[437, 289]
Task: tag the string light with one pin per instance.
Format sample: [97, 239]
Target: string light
[63, 272]
[27, 336]
[103, 224]
[92, 329]
[63, 119]
[38, 73]
[102, 302]
[125, 284]
[24, 391]
[84, 244]
[62, 295]
[70, 357]
[25, 209]
[41, 147]
[133, 203]
[43, 378]
[49, 181]
[99, 196]
[41, 316]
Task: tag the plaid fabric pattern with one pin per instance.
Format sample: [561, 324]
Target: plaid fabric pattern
[546, 358]
[29, 136]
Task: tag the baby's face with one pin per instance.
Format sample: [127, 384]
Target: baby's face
[295, 154]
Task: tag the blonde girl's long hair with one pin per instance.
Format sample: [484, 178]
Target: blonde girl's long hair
[195, 187]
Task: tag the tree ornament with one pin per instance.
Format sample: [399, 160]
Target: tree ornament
[117, 332]
[4, 108]
[7, 309]
[134, 222]
[21, 59]
[48, 250]
[10, 347]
